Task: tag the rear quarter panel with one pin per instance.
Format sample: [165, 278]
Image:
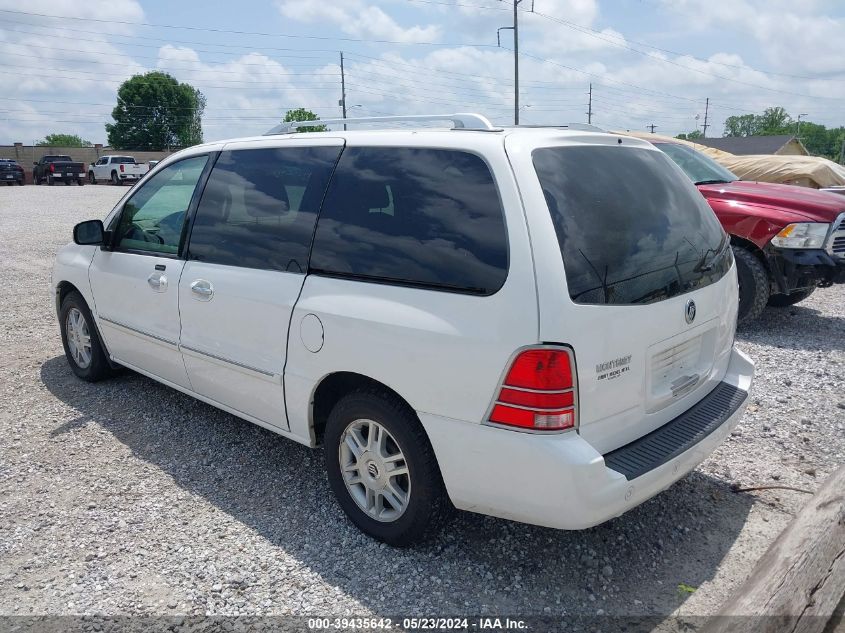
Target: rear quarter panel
[443, 352]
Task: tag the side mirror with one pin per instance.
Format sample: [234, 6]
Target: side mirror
[89, 233]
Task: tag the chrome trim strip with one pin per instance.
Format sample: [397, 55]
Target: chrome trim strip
[525, 408]
[229, 361]
[137, 331]
[527, 390]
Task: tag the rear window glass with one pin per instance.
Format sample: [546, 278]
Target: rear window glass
[126, 160]
[430, 218]
[631, 226]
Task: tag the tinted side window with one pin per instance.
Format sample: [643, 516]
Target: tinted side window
[259, 207]
[426, 217]
[152, 218]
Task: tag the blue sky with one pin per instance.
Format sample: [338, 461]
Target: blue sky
[650, 61]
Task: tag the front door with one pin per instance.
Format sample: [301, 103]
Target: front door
[246, 262]
[135, 285]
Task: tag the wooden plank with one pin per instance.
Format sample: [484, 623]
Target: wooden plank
[798, 583]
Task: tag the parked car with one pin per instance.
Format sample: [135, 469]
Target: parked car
[11, 172]
[151, 164]
[58, 167]
[116, 169]
[787, 240]
[535, 324]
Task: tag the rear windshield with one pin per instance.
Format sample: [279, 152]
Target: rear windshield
[701, 169]
[631, 228]
[57, 159]
[125, 160]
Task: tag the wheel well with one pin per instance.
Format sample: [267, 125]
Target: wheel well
[63, 289]
[752, 248]
[334, 387]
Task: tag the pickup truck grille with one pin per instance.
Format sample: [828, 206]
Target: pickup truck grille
[836, 243]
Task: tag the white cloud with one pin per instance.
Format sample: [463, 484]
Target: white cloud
[356, 18]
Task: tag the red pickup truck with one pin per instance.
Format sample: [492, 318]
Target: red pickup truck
[787, 240]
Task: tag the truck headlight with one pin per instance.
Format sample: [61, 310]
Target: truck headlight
[802, 235]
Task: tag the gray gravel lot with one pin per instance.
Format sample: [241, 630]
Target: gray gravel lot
[127, 497]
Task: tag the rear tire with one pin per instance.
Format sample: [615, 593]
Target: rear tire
[91, 178]
[83, 349]
[50, 181]
[784, 301]
[753, 285]
[410, 505]
[80, 182]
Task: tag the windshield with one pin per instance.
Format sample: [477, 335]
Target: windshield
[701, 169]
[630, 226]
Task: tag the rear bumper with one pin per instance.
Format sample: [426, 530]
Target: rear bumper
[561, 481]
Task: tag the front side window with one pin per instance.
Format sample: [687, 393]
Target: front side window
[259, 207]
[630, 226]
[430, 218]
[152, 218]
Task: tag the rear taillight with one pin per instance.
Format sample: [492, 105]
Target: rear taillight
[538, 392]
[52, 168]
[121, 168]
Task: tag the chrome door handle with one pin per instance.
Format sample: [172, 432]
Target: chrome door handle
[202, 290]
[158, 281]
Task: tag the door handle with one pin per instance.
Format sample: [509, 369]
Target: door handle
[202, 290]
[158, 281]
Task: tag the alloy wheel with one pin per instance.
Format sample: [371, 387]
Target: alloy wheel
[78, 338]
[374, 470]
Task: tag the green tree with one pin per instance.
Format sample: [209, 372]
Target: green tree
[690, 136]
[301, 114]
[774, 121]
[744, 125]
[156, 112]
[64, 140]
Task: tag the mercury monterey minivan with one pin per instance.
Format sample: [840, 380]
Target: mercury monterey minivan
[536, 324]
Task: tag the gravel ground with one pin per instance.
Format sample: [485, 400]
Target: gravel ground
[127, 497]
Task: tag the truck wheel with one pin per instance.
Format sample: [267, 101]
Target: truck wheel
[83, 349]
[784, 301]
[80, 182]
[91, 178]
[50, 181]
[114, 179]
[753, 285]
[382, 469]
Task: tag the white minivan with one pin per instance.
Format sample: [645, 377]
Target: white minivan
[531, 323]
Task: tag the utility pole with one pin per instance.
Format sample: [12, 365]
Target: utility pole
[515, 29]
[515, 63]
[706, 113]
[590, 106]
[842, 153]
[651, 127]
[342, 88]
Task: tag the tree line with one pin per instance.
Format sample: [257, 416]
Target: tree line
[817, 138]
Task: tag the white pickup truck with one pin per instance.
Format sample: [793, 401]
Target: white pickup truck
[117, 169]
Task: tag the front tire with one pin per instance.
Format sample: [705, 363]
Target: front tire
[91, 178]
[784, 301]
[83, 349]
[382, 468]
[753, 285]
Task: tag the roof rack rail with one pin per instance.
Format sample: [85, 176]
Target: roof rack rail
[460, 121]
